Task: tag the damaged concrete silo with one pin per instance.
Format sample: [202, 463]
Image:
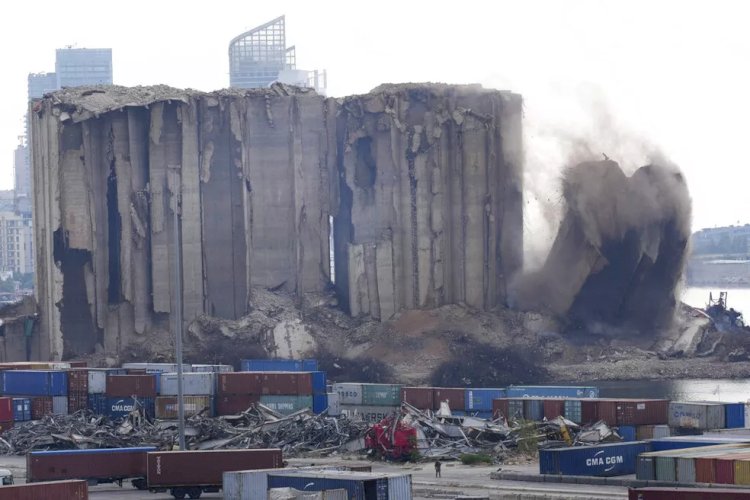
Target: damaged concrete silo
[430, 197]
[620, 250]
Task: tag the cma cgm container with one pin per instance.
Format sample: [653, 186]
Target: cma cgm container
[349, 393]
[551, 391]
[202, 470]
[143, 386]
[193, 384]
[455, 397]
[287, 404]
[97, 403]
[54, 490]
[481, 399]
[358, 485]
[35, 383]
[696, 415]
[381, 395]
[166, 406]
[600, 460]
[422, 398]
[121, 407]
[279, 365]
[94, 465]
[654, 493]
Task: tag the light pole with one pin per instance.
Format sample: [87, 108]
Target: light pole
[177, 314]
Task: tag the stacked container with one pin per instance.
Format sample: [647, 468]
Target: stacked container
[21, 409]
[697, 415]
[97, 388]
[198, 390]
[479, 401]
[78, 389]
[319, 402]
[279, 365]
[599, 460]
[285, 392]
[369, 402]
[48, 390]
[126, 392]
[6, 413]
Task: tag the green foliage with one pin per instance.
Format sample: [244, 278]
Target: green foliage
[475, 458]
[527, 438]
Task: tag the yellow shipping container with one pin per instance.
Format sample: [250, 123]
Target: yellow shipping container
[742, 471]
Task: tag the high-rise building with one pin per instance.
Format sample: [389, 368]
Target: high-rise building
[41, 83]
[22, 179]
[259, 57]
[16, 236]
[75, 67]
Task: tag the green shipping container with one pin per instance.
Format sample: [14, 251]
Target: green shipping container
[381, 395]
[287, 404]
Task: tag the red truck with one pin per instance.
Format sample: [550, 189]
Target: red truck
[190, 473]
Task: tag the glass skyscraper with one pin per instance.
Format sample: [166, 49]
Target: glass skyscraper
[256, 57]
[75, 67]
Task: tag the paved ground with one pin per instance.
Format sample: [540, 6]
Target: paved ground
[457, 480]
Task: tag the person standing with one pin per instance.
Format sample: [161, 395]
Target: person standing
[438, 465]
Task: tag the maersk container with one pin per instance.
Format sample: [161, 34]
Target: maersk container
[318, 383]
[371, 414]
[287, 404]
[552, 391]
[121, 407]
[696, 415]
[349, 393]
[359, 485]
[59, 405]
[600, 460]
[193, 384]
[35, 383]
[734, 415]
[481, 399]
[627, 432]
[279, 365]
[320, 403]
[381, 394]
[21, 409]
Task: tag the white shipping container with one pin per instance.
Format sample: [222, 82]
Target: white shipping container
[193, 384]
[97, 381]
[213, 368]
[334, 406]
[349, 394]
[371, 414]
[291, 493]
[59, 405]
[253, 484]
[747, 415]
[158, 367]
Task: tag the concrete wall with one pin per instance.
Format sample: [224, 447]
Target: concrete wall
[423, 182]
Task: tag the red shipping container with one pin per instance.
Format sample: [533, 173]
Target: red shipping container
[233, 404]
[704, 470]
[266, 383]
[78, 364]
[593, 410]
[6, 409]
[125, 386]
[553, 408]
[41, 406]
[205, 468]
[724, 469]
[54, 490]
[642, 411]
[653, 493]
[135, 371]
[500, 407]
[78, 380]
[4, 426]
[97, 465]
[239, 383]
[422, 398]
[77, 401]
[456, 397]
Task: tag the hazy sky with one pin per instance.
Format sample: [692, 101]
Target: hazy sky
[627, 76]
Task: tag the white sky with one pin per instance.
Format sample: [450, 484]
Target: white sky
[670, 74]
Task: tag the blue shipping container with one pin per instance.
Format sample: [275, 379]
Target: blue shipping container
[627, 432]
[319, 383]
[481, 399]
[320, 403]
[97, 403]
[121, 407]
[734, 415]
[279, 365]
[35, 382]
[21, 409]
[616, 459]
[94, 451]
[552, 391]
[681, 442]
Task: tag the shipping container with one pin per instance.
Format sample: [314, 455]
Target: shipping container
[683, 465]
[266, 383]
[681, 442]
[78, 380]
[572, 410]
[742, 471]
[627, 432]
[157, 367]
[287, 404]
[724, 469]
[234, 404]
[213, 368]
[103, 465]
[334, 406]
[359, 485]
[533, 409]
[552, 391]
[455, 397]
[4, 426]
[645, 467]
[371, 414]
[553, 408]
[35, 383]
[77, 401]
[166, 406]
[97, 378]
[481, 399]
[349, 393]
[53, 490]
[319, 403]
[193, 384]
[654, 493]
[599, 409]
[279, 365]
[97, 403]
[41, 406]
[734, 415]
[123, 386]
[510, 409]
[6, 409]
[696, 415]
[651, 432]
[21, 409]
[599, 460]
[59, 405]
[119, 407]
[382, 395]
[422, 398]
[642, 411]
[204, 468]
[666, 469]
[319, 382]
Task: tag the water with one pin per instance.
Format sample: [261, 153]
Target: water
[737, 298]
